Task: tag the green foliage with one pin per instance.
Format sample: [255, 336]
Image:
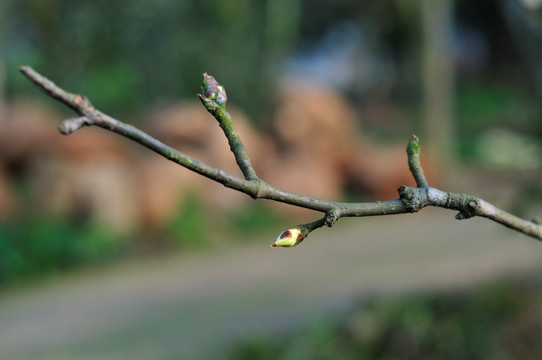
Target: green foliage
[114, 85]
[189, 226]
[503, 321]
[254, 218]
[32, 248]
[194, 226]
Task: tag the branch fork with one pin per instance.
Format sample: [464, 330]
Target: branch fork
[214, 99]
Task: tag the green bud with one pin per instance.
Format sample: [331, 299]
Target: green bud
[291, 237]
[413, 147]
[213, 90]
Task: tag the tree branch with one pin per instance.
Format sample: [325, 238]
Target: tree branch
[214, 99]
[90, 116]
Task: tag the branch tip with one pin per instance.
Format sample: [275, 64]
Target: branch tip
[291, 237]
[212, 90]
[413, 146]
[213, 98]
[413, 152]
[71, 125]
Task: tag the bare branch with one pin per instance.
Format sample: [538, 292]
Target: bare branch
[94, 117]
[214, 99]
[470, 206]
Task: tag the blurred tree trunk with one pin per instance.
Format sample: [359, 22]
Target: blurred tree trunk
[438, 79]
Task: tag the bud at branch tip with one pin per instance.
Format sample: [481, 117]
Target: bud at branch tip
[291, 237]
[212, 90]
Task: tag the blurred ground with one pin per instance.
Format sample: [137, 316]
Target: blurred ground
[186, 307]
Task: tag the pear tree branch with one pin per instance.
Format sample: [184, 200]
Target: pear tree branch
[214, 99]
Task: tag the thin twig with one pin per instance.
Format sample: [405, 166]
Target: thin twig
[414, 164]
[94, 117]
[214, 99]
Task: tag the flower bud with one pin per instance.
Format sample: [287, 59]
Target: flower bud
[290, 237]
[213, 90]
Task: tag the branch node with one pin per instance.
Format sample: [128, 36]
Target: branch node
[413, 199]
[332, 217]
[467, 207]
[259, 188]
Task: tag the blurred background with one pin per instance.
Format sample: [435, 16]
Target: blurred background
[109, 251]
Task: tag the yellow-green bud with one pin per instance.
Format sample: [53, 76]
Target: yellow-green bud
[290, 237]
